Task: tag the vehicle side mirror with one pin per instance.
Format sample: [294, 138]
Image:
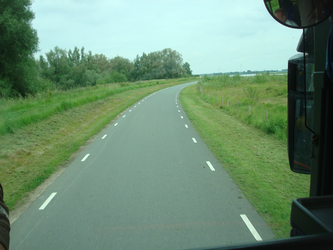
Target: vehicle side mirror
[299, 109]
[299, 14]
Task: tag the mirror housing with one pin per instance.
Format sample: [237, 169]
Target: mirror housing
[299, 14]
[299, 137]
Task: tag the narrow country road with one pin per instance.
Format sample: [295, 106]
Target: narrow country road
[148, 181]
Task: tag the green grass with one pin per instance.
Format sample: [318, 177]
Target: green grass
[262, 92]
[256, 161]
[38, 147]
[17, 113]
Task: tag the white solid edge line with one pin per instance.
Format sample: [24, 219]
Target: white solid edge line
[251, 227]
[104, 137]
[210, 166]
[47, 201]
[194, 140]
[85, 158]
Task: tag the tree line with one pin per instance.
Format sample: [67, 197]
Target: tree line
[75, 68]
[21, 74]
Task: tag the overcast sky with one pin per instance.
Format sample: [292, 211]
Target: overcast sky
[211, 35]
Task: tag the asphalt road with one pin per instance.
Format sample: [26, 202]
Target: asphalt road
[148, 181]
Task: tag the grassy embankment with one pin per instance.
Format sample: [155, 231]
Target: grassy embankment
[39, 134]
[253, 151]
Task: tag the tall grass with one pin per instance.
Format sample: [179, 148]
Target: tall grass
[17, 113]
[262, 92]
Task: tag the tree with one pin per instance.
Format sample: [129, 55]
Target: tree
[187, 69]
[122, 66]
[167, 63]
[18, 42]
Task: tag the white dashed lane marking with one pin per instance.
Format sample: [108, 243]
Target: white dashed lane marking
[210, 166]
[104, 137]
[194, 140]
[47, 201]
[251, 227]
[85, 158]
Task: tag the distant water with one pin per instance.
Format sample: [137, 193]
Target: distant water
[278, 74]
[248, 75]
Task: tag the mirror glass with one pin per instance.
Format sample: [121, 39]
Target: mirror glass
[299, 13]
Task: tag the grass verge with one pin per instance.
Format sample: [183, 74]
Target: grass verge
[257, 161]
[33, 152]
[17, 113]
[265, 95]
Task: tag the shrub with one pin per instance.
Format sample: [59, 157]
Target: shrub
[117, 77]
[252, 94]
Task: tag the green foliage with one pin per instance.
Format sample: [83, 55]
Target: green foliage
[252, 94]
[221, 81]
[245, 91]
[75, 68]
[122, 66]
[18, 42]
[162, 64]
[5, 88]
[116, 76]
[187, 69]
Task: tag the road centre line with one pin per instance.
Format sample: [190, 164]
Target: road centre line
[47, 201]
[210, 166]
[194, 140]
[251, 227]
[104, 137]
[85, 158]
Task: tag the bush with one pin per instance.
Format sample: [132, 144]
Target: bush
[5, 89]
[252, 94]
[100, 81]
[43, 85]
[117, 77]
